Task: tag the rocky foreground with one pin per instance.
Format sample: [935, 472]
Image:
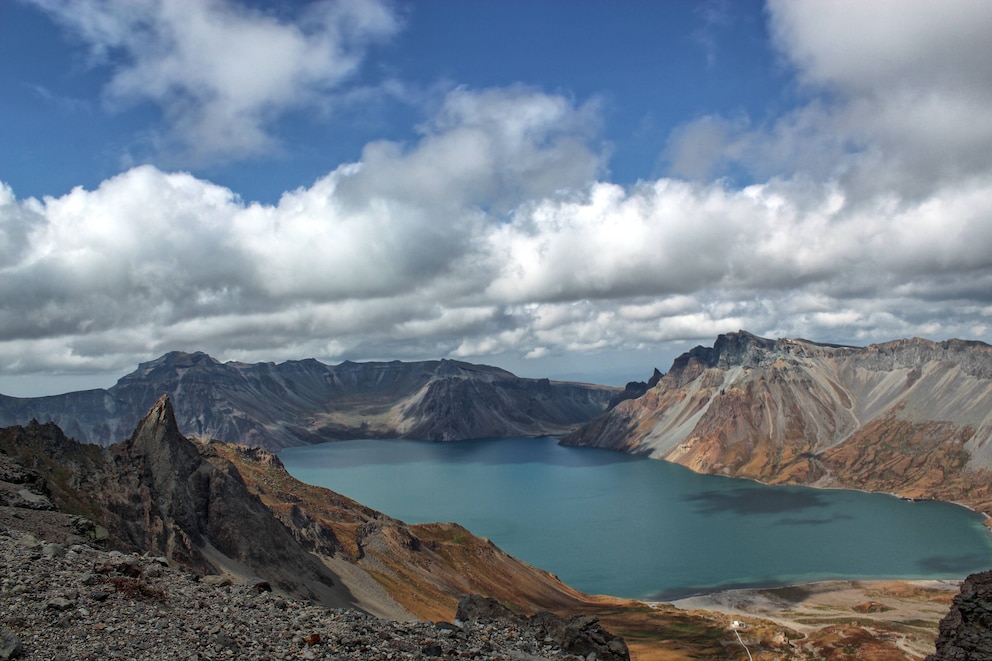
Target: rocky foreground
[74, 601]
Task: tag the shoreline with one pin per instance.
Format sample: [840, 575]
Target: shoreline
[810, 587]
[906, 611]
[703, 594]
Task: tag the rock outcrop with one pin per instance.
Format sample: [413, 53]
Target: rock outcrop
[296, 402]
[966, 631]
[912, 417]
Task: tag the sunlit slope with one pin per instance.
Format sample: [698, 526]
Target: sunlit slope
[913, 417]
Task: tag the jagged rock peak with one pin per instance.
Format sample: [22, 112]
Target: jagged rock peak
[158, 438]
[160, 420]
[749, 350]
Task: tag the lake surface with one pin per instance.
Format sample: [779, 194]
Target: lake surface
[611, 523]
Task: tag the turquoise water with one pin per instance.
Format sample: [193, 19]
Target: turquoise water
[612, 523]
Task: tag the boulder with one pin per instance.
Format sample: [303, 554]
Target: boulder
[966, 631]
[581, 635]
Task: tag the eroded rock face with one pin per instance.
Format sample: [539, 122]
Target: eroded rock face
[912, 417]
[966, 631]
[162, 493]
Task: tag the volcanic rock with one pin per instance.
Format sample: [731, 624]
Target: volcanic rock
[966, 631]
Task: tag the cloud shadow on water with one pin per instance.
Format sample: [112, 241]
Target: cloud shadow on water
[810, 521]
[955, 565]
[755, 501]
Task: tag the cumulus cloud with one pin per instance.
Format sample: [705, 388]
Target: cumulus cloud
[896, 99]
[365, 264]
[222, 73]
[496, 232]
[385, 251]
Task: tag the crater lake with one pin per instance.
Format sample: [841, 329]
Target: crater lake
[612, 523]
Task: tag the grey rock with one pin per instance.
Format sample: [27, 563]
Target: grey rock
[31, 500]
[10, 645]
[59, 604]
[966, 630]
[53, 550]
[275, 406]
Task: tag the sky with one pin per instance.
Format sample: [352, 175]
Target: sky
[578, 190]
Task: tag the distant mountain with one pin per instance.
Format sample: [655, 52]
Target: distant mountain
[278, 405]
[911, 417]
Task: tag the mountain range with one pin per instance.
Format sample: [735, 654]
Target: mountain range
[274, 406]
[908, 417]
[911, 417]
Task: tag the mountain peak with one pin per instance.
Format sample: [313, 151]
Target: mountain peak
[157, 438]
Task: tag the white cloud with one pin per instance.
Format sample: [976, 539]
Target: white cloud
[405, 254]
[896, 99]
[495, 233]
[222, 73]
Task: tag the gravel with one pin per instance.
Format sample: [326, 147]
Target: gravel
[61, 601]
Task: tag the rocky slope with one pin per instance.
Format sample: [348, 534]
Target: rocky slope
[912, 417]
[74, 601]
[275, 406]
[219, 509]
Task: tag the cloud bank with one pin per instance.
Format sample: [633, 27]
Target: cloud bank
[497, 232]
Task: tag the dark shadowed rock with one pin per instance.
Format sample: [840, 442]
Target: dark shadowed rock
[161, 493]
[966, 631]
[476, 608]
[635, 389]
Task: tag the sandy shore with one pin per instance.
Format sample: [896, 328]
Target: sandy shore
[909, 611]
[807, 606]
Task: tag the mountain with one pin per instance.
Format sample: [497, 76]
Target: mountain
[911, 417]
[278, 405]
[215, 508]
[103, 538]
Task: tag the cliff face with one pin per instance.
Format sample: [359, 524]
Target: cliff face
[911, 416]
[275, 406]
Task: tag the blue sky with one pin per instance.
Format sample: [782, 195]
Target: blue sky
[571, 189]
